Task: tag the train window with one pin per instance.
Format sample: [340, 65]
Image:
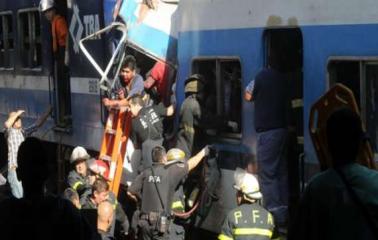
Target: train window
[361, 76]
[222, 91]
[29, 29]
[6, 40]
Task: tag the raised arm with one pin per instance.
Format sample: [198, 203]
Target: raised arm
[194, 161]
[43, 118]
[9, 122]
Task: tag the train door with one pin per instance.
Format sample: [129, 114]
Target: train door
[361, 76]
[285, 48]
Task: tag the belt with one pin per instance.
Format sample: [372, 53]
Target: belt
[151, 216]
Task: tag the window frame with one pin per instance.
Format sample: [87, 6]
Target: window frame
[362, 61]
[32, 37]
[12, 50]
[224, 136]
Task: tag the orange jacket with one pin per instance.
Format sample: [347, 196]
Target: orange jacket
[59, 32]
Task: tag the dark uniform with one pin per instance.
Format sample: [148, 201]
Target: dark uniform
[166, 180]
[176, 228]
[194, 120]
[120, 215]
[248, 222]
[147, 131]
[269, 93]
[80, 184]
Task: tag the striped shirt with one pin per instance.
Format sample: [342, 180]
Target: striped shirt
[15, 136]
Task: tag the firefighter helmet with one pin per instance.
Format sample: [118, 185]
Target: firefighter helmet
[194, 84]
[79, 153]
[45, 5]
[175, 154]
[247, 184]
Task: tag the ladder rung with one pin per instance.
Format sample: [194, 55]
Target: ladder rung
[106, 158]
[110, 131]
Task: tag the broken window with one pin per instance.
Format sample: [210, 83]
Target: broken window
[30, 38]
[6, 40]
[222, 90]
[362, 78]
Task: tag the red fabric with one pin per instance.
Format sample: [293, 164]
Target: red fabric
[102, 168]
[161, 73]
[59, 32]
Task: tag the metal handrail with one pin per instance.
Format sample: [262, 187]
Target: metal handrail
[104, 74]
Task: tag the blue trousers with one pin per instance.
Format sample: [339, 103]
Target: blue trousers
[15, 184]
[272, 172]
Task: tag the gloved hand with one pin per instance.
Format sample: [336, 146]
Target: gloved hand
[233, 125]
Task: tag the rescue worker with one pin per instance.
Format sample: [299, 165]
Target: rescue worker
[101, 193]
[71, 195]
[129, 83]
[249, 220]
[80, 178]
[194, 119]
[147, 126]
[59, 32]
[176, 229]
[155, 188]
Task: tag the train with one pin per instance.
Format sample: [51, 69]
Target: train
[320, 43]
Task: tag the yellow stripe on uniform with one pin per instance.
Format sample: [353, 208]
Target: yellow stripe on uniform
[224, 237]
[77, 184]
[253, 231]
[177, 205]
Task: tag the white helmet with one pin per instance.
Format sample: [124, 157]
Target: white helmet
[247, 184]
[45, 5]
[79, 153]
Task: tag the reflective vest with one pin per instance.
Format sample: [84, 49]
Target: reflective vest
[248, 221]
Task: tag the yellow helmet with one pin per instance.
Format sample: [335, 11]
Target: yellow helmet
[194, 84]
[175, 154]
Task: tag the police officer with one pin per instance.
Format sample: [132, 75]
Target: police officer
[80, 178]
[155, 187]
[195, 119]
[147, 126]
[176, 229]
[249, 220]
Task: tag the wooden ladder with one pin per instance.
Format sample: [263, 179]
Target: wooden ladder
[113, 146]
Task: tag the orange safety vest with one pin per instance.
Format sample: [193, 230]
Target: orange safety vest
[59, 32]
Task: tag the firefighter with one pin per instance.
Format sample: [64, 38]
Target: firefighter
[155, 188]
[80, 178]
[176, 229]
[249, 220]
[194, 119]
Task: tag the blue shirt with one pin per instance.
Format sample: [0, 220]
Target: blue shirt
[137, 86]
[270, 94]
